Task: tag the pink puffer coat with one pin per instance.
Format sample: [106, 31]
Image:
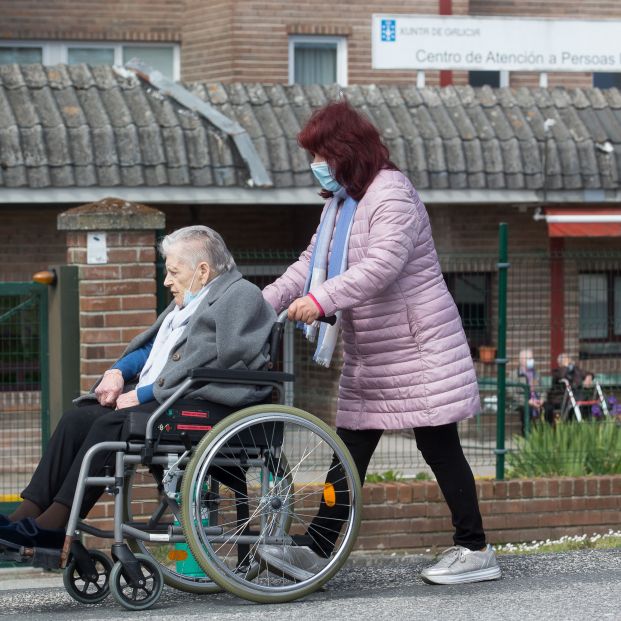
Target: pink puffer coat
[406, 360]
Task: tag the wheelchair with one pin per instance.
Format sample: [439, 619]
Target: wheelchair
[198, 488]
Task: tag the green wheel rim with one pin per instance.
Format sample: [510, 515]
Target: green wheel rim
[207, 450]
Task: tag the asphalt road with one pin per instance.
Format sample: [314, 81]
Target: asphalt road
[583, 585]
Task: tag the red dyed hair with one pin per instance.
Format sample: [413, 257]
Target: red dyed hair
[350, 144]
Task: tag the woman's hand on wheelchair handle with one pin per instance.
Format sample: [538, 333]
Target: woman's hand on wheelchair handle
[127, 400]
[304, 310]
[110, 387]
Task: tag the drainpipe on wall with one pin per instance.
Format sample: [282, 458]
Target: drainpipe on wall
[446, 8]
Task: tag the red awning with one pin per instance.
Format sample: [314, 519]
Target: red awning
[591, 222]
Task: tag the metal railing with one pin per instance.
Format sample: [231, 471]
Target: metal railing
[24, 389]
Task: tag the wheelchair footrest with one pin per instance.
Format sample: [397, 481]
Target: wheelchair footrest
[45, 558]
[12, 552]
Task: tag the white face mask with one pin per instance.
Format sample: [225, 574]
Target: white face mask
[324, 175]
[188, 295]
[530, 363]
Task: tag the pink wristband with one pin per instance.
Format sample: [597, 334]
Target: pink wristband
[312, 297]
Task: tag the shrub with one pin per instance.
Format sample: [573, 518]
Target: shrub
[567, 449]
[422, 476]
[390, 476]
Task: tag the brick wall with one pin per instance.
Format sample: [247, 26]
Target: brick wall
[462, 231]
[115, 20]
[239, 40]
[29, 242]
[247, 40]
[117, 300]
[414, 515]
[457, 230]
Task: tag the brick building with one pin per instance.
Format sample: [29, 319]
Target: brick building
[71, 134]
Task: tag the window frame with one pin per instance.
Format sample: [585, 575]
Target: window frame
[27, 44]
[341, 54]
[449, 279]
[610, 318]
[57, 52]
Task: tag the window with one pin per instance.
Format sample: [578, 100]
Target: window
[164, 58]
[20, 55]
[472, 295]
[607, 80]
[600, 314]
[482, 78]
[317, 60]
[489, 78]
[90, 55]
[158, 57]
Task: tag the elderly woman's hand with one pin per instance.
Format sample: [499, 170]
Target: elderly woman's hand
[304, 309]
[110, 387]
[127, 400]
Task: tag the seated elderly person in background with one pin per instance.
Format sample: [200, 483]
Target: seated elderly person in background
[527, 370]
[217, 319]
[566, 370]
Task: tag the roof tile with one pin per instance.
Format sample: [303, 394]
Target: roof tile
[78, 126]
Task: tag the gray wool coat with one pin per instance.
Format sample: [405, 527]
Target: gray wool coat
[229, 330]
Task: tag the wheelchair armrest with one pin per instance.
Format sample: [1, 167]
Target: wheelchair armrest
[240, 377]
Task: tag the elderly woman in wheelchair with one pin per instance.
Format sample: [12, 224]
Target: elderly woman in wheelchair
[200, 481]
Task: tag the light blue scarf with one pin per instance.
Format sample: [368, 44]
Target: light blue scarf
[322, 269]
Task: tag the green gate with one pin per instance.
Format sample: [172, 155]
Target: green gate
[24, 377]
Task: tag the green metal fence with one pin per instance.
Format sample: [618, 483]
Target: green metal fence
[510, 303]
[24, 412]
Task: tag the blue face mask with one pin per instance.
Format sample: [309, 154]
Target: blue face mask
[188, 296]
[323, 174]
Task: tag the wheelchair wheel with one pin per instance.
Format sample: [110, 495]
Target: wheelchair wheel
[81, 588]
[147, 507]
[243, 458]
[137, 597]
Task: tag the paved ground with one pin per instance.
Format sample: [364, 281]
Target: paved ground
[573, 586]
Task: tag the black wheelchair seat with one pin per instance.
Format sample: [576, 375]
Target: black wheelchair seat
[192, 417]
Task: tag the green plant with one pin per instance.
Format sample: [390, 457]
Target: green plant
[567, 449]
[390, 476]
[422, 476]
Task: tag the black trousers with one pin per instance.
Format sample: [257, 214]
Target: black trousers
[441, 449]
[56, 477]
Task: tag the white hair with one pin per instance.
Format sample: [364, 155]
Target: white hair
[195, 244]
[562, 357]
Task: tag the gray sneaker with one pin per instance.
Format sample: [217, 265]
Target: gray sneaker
[295, 562]
[458, 565]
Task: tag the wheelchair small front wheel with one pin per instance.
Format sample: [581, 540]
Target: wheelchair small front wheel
[268, 503]
[83, 588]
[147, 507]
[135, 597]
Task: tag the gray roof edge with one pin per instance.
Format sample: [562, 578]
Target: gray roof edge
[171, 195]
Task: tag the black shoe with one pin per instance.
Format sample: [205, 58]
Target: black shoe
[4, 520]
[29, 534]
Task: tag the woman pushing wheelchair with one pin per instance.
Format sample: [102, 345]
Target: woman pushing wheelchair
[216, 319]
[406, 362]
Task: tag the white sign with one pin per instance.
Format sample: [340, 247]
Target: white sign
[96, 248]
[495, 44]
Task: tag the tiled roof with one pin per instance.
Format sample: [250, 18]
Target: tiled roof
[75, 126]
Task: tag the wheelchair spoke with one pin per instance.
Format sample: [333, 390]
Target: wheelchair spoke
[269, 474]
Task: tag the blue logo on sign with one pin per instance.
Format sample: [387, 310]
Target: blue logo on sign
[389, 30]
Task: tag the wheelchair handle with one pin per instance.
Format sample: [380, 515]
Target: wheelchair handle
[282, 318]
